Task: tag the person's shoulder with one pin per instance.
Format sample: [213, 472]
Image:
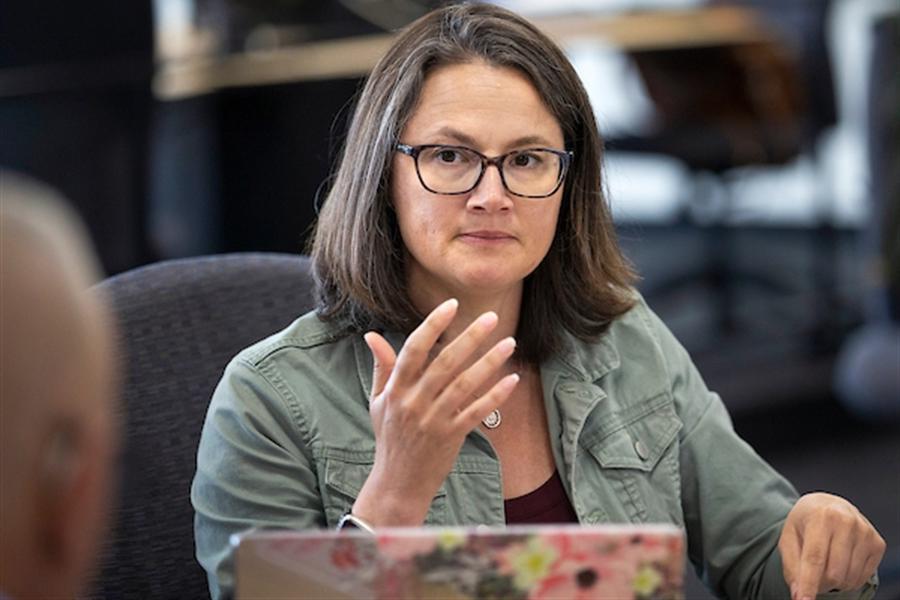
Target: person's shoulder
[638, 327]
[637, 336]
[632, 338]
[308, 374]
[307, 335]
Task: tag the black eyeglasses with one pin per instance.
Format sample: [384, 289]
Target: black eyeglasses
[529, 173]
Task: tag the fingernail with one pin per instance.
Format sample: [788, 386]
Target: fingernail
[507, 344]
[487, 319]
[449, 305]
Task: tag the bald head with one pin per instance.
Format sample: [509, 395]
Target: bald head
[57, 390]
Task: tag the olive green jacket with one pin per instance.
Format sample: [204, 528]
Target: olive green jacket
[635, 433]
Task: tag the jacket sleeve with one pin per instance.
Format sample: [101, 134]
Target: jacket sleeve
[252, 468]
[734, 503]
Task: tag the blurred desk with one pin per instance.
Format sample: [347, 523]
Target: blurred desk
[355, 57]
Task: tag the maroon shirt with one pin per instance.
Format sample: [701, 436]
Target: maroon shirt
[547, 504]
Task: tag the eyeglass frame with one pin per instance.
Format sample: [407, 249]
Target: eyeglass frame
[565, 157]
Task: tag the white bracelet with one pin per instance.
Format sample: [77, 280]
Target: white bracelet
[351, 521]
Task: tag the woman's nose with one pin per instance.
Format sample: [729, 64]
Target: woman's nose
[490, 194]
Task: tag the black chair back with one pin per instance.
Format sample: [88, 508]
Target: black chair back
[181, 321]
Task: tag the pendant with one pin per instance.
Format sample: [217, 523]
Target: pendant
[492, 421]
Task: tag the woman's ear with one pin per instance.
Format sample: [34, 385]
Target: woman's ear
[73, 500]
[58, 466]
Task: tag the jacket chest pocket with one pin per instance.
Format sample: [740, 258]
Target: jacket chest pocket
[639, 462]
[343, 481]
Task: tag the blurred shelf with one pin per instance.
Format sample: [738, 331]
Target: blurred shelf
[355, 57]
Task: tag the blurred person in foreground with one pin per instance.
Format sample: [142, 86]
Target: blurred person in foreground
[58, 431]
[478, 345]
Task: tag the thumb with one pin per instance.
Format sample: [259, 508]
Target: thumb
[384, 358]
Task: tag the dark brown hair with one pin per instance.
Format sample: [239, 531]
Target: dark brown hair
[584, 281]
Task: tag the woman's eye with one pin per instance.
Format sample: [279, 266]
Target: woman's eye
[448, 156]
[525, 160]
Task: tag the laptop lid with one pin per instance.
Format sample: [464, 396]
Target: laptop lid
[527, 562]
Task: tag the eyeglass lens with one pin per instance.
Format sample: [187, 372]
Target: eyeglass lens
[453, 170]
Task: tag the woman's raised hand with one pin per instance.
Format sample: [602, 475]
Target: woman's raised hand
[422, 410]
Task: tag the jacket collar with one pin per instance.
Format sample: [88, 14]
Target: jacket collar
[584, 361]
[570, 394]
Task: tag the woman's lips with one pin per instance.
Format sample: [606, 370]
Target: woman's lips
[486, 237]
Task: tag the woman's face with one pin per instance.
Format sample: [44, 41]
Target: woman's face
[485, 241]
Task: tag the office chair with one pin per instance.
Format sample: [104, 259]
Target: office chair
[181, 321]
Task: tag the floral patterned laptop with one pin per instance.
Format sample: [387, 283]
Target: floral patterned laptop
[520, 562]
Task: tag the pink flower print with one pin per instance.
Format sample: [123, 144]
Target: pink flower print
[584, 582]
[403, 548]
[343, 555]
[603, 568]
[646, 581]
[529, 563]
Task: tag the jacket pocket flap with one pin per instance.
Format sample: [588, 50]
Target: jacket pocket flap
[348, 478]
[638, 444]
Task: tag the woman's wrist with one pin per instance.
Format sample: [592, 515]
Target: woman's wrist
[386, 508]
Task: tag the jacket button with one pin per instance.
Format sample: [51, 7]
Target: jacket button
[641, 450]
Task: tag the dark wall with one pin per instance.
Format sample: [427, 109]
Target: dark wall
[74, 111]
[278, 145]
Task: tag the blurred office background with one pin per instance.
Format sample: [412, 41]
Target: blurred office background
[752, 163]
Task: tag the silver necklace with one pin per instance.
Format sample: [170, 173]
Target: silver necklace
[493, 420]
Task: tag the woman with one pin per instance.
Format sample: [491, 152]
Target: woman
[477, 344]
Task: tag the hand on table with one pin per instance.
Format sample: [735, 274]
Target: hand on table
[827, 544]
[423, 409]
